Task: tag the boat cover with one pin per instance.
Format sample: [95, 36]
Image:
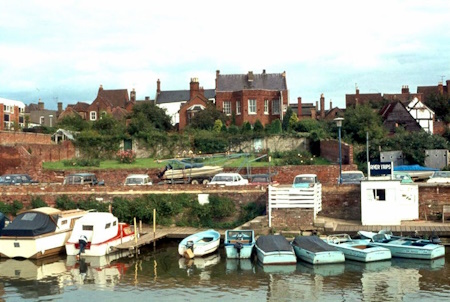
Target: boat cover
[30, 224]
[2, 222]
[413, 168]
[313, 244]
[273, 243]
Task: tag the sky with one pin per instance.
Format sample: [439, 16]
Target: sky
[62, 51]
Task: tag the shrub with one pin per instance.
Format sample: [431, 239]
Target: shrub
[221, 206]
[82, 162]
[126, 157]
[38, 203]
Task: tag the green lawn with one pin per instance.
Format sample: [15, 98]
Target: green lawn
[150, 163]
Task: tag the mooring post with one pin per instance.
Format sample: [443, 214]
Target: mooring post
[154, 227]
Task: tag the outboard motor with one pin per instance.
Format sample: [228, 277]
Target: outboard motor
[83, 242]
[190, 245]
[435, 238]
[238, 246]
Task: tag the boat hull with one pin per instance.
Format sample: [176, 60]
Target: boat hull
[406, 247]
[278, 257]
[358, 249]
[319, 257]
[101, 249]
[204, 243]
[239, 244]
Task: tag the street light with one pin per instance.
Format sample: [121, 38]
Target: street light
[338, 121]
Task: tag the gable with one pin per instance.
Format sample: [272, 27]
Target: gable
[396, 115]
[117, 97]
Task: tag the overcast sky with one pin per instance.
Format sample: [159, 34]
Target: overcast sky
[62, 51]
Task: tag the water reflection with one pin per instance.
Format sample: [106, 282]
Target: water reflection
[163, 275]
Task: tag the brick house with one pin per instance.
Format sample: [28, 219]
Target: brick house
[115, 102]
[358, 98]
[395, 115]
[174, 101]
[37, 115]
[108, 100]
[430, 91]
[12, 114]
[251, 97]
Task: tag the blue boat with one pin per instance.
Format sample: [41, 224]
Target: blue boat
[239, 243]
[200, 244]
[275, 249]
[406, 247]
[314, 250]
[358, 249]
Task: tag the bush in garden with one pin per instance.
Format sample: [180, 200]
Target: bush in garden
[126, 157]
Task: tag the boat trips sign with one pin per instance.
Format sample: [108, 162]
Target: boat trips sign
[381, 168]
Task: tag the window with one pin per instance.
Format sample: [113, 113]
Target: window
[93, 116]
[88, 227]
[227, 107]
[108, 225]
[238, 107]
[42, 120]
[251, 106]
[266, 106]
[6, 108]
[276, 107]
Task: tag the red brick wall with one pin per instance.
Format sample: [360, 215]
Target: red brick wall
[243, 97]
[292, 219]
[329, 149]
[14, 137]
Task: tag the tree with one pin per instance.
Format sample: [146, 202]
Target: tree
[358, 121]
[148, 113]
[73, 122]
[206, 118]
[217, 126]
[258, 127]
[286, 119]
[440, 104]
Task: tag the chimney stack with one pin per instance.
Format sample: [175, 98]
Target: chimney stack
[40, 105]
[194, 88]
[405, 89]
[133, 95]
[59, 108]
[441, 88]
[331, 105]
[299, 110]
[158, 86]
[322, 106]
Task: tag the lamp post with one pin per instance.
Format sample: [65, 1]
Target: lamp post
[338, 121]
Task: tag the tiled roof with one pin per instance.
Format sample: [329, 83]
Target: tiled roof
[174, 96]
[119, 113]
[117, 97]
[80, 107]
[238, 82]
[31, 107]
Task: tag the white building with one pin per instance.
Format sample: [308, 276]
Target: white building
[12, 112]
[388, 202]
[422, 114]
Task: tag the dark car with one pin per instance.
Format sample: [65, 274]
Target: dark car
[83, 179]
[17, 179]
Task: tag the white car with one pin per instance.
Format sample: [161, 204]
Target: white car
[138, 180]
[229, 179]
[440, 177]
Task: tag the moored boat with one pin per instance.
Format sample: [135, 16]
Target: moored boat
[239, 243]
[38, 233]
[314, 250]
[405, 247]
[274, 249]
[102, 232]
[199, 244]
[358, 249]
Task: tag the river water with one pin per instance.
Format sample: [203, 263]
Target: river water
[159, 274]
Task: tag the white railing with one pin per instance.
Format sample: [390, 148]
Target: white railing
[287, 197]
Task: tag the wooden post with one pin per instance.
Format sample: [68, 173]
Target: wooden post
[135, 232]
[154, 227]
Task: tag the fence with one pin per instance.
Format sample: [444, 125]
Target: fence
[288, 197]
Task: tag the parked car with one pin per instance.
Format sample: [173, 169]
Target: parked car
[228, 179]
[83, 179]
[305, 181]
[261, 180]
[17, 179]
[352, 177]
[404, 177]
[138, 180]
[439, 177]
